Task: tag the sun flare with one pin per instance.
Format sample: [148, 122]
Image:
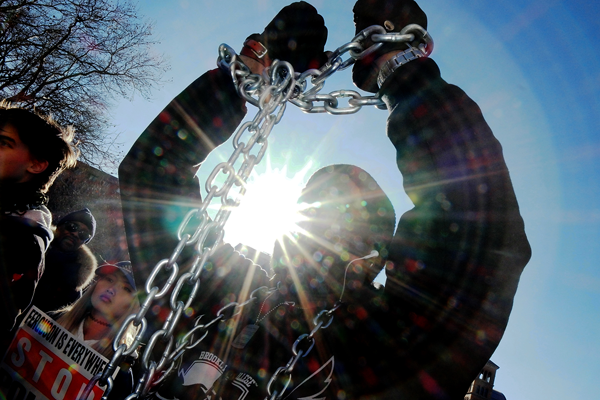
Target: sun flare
[267, 211]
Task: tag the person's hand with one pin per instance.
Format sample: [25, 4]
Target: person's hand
[393, 15]
[297, 35]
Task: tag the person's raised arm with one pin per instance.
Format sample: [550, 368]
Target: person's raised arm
[458, 254]
[157, 177]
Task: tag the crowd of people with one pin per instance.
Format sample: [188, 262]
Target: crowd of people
[452, 262]
[48, 265]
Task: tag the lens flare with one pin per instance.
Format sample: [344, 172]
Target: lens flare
[268, 211]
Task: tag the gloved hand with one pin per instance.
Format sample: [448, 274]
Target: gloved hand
[297, 35]
[391, 14]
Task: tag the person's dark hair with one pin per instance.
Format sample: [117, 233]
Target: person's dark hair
[377, 215]
[45, 139]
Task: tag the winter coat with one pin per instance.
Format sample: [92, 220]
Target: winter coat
[24, 238]
[65, 277]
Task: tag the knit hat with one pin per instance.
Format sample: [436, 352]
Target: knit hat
[85, 217]
[123, 266]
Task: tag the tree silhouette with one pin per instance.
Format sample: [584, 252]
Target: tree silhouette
[71, 58]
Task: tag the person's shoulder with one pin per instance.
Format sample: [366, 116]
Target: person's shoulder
[36, 221]
[41, 215]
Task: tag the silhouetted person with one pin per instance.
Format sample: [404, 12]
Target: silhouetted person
[34, 150]
[452, 265]
[70, 264]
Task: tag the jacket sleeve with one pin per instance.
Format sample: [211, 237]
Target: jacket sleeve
[157, 177]
[457, 256]
[23, 243]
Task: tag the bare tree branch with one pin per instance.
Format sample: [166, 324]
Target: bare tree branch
[72, 59]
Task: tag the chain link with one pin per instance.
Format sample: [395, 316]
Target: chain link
[301, 348]
[270, 93]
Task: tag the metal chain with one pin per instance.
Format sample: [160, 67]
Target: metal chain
[301, 347]
[250, 143]
[306, 99]
[269, 92]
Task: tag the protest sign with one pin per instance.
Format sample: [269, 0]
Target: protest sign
[45, 361]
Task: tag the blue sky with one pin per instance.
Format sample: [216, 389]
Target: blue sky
[533, 67]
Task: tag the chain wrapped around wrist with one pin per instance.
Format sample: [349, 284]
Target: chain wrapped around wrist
[254, 49]
[400, 59]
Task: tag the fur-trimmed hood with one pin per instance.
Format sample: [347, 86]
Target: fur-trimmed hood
[76, 268]
[88, 262]
[83, 257]
[65, 276]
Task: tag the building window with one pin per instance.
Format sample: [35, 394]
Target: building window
[486, 376]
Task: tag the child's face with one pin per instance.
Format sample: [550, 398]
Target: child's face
[16, 161]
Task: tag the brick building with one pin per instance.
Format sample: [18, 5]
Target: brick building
[85, 186]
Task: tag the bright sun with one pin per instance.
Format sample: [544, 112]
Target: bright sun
[267, 211]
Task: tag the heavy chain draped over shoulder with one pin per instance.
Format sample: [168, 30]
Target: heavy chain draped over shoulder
[269, 92]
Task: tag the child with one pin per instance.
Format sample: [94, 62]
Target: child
[34, 150]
